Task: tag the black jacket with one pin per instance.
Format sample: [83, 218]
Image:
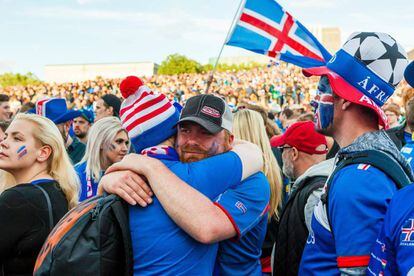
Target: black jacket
[24, 224]
[293, 233]
[397, 135]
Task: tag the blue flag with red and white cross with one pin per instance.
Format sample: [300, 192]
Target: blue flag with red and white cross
[264, 27]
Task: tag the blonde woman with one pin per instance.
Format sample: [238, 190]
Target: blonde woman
[249, 125]
[41, 186]
[107, 144]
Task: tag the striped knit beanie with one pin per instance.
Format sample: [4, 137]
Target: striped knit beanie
[148, 117]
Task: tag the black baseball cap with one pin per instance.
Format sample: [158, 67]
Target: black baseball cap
[208, 111]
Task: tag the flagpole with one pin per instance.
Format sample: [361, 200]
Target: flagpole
[210, 78]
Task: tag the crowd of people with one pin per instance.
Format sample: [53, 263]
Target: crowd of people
[273, 173]
[282, 83]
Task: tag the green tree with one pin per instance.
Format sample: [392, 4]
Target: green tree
[178, 64]
[10, 79]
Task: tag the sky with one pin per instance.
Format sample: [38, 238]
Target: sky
[36, 33]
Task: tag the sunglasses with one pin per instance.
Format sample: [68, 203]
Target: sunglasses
[282, 148]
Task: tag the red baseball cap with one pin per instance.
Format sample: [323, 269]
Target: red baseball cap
[302, 135]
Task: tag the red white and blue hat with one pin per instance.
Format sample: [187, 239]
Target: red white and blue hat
[366, 70]
[56, 110]
[148, 117]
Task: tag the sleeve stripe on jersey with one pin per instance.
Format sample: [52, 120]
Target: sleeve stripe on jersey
[231, 220]
[352, 261]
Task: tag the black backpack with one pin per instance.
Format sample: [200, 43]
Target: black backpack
[91, 239]
[377, 159]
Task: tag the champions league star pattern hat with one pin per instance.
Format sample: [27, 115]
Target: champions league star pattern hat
[366, 70]
[148, 117]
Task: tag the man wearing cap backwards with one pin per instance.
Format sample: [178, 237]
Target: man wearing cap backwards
[304, 153]
[240, 210]
[56, 110]
[353, 86]
[393, 253]
[82, 124]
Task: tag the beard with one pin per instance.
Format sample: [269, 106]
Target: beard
[193, 153]
[80, 135]
[288, 169]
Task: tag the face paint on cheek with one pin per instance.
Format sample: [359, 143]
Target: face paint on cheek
[325, 111]
[22, 151]
[112, 147]
[213, 149]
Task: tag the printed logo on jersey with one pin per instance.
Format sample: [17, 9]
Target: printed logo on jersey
[383, 248]
[407, 233]
[239, 205]
[406, 150]
[311, 238]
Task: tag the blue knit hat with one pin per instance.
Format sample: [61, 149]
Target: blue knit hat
[148, 117]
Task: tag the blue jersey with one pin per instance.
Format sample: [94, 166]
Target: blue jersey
[89, 187]
[160, 247]
[408, 137]
[358, 199]
[246, 206]
[408, 152]
[393, 253]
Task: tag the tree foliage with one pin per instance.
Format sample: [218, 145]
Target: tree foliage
[178, 64]
[223, 67]
[10, 79]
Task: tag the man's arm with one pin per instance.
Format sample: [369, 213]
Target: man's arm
[190, 209]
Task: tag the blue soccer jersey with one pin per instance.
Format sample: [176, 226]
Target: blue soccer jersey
[88, 187]
[358, 199]
[408, 152]
[393, 253]
[160, 247]
[246, 205]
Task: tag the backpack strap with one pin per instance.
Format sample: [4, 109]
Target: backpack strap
[377, 159]
[49, 206]
[120, 210]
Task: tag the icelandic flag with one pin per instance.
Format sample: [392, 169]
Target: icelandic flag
[265, 28]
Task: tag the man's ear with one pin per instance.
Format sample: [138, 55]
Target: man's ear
[346, 104]
[295, 154]
[44, 153]
[231, 139]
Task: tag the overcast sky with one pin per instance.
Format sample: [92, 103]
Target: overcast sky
[36, 33]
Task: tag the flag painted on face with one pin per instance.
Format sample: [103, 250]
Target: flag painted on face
[264, 27]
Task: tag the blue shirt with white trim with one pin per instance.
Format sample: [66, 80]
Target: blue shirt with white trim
[358, 199]
[246, 205]
[393, 253]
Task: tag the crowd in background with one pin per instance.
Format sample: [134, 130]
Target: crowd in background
[283, 83]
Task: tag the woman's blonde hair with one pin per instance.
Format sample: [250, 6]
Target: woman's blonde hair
[59, 165]
[248, 125]
[100, 136]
